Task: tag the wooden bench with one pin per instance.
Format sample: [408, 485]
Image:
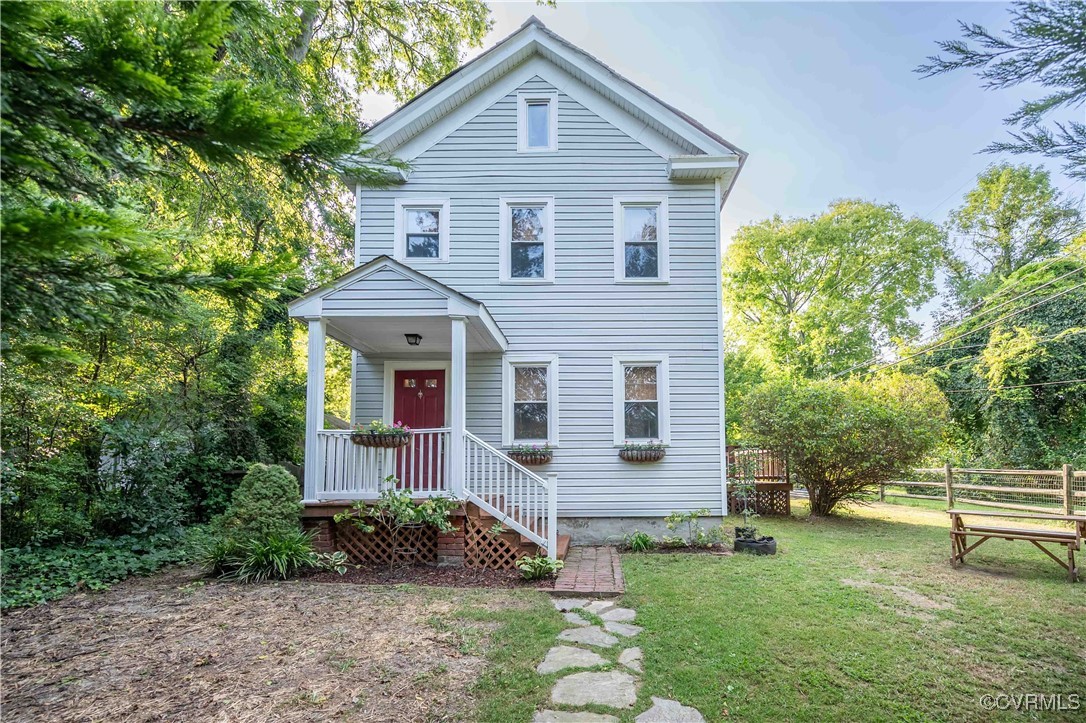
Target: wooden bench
[1071, 539]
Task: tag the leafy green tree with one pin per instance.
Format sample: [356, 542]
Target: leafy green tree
[1013, 217]
[1045, 46]
[1011, 402]
[817, 295]
[840, 438]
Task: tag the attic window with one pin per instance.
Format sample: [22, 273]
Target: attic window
[537, 122]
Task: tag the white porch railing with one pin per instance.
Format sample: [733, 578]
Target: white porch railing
[352, 472]
[518, 497]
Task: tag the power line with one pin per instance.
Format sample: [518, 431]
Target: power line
[1015, 386]
[979, 328]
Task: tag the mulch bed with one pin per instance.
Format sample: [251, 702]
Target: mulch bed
[433, 576]
[720, 550]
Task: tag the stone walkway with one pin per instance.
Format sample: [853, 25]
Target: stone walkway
[591, 571]
[611, 679]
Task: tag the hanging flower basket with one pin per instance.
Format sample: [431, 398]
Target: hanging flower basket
[642, 453]
[379, 434]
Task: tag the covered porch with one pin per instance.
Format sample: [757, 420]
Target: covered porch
[389, 311]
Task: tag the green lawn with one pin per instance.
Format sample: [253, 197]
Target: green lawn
[858, 618]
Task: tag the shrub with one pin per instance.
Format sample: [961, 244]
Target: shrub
[696, 534]
[266, 503]
[640, 541]
[842, 437]
[276, 556]
[538, 567]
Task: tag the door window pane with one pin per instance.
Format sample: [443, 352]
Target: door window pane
[530, 409]
[538, 118]
[423, 228]
[640, 238]
[642, 408]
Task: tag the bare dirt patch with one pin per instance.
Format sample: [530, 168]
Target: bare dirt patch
[172, 647]
[435, 576]
[910, 597]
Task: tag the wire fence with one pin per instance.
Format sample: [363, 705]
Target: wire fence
[1059, 491]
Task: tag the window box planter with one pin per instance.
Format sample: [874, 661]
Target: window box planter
[642, 454]
[531, 459]
[387, 441]
[531, 455]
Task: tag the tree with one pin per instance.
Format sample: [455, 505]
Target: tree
[1012, 218]
[842, 437]
[1045, 46]
[170, 177]
[1011, 385]
[817, 295]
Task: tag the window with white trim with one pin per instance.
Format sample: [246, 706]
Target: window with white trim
[641, 239]
[642, 408]
[421, 230]
[537, 122]
[530, 391]
[527, 240]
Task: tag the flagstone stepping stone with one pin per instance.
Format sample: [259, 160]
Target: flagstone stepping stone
[613, 689]
[563, 716]
[592, 635]
[575, 619]
[631, 658]
[561, 657]
[619, 615]
[565, 604]
[669, 711]
[626, 631]
[598, 606]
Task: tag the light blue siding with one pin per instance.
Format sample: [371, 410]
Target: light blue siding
[584, 317]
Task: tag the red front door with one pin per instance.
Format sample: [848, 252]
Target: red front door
[419, 402]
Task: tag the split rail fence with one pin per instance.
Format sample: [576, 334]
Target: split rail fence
[1059, 491]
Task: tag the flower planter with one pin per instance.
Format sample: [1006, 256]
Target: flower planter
[531, 459]
[641, 455]
[763, 546]
[386, 441]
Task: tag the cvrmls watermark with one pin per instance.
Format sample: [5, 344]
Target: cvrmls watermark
[1056, 702]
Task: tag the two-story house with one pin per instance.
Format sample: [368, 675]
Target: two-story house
[546, 271]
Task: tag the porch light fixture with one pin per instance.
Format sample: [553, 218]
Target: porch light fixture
[413, 339]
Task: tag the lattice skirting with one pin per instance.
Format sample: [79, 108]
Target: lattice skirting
[381, 547]
[765, 502]
[495, 552]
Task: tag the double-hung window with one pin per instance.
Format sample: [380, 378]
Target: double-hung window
[421, 230]
[641, 239]
[527, 239]
[537, 122]
[642, 405]
[530, 391]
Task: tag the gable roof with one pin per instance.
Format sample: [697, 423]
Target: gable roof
[708, 154]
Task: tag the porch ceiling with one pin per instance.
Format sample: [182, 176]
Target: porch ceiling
[385, 334]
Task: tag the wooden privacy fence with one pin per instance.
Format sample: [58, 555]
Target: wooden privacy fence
[772, 489]
[1059, 491]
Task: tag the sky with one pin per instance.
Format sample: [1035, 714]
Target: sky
[821, 95]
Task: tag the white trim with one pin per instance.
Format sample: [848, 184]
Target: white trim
[357, 224]
[509, 362]
[526, 97]
[505, 237]
[399, 242]
[720, 350]
[662, 237]
[395, 365]
[663, 394]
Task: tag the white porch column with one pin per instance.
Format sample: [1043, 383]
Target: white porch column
[314, 409]
[458, 416]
